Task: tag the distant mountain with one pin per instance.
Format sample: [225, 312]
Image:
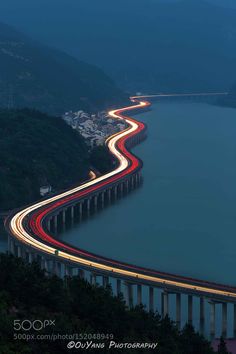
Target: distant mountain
[145, 45]
[33, 75]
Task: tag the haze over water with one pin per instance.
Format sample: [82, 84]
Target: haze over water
[182, 220]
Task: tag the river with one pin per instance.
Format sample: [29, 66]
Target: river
[183, 218]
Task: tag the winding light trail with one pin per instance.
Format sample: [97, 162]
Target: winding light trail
[27, 225]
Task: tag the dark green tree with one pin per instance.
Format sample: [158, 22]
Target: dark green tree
[222, 348]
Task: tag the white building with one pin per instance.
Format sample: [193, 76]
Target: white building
[44, 190]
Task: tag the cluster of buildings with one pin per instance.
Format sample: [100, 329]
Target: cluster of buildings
[95, 128]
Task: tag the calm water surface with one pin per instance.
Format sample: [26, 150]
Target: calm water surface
[183, 219]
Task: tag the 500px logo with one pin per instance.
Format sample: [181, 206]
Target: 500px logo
[37, 325]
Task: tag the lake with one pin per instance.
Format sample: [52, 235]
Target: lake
[183, 218]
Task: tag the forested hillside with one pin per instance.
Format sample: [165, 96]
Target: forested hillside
[77, 307]
[37, 149]
[36, 76]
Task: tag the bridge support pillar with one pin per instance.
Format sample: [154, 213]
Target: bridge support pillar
[132, 183]
[96, 203]
[118, 287]
[109, 195]
[72, 213]
[30, 257]
[234, 321]
[105, 281]
[202, 315]
[178, 310]
[224, 320]
[9, 244]
[12, 246]
[151, 298]
[49, 224]
[68, 271]
[121, 189]
[88, 206]
[80, 210]
[102, 200]
[212, 319]
[44, 264]
[139, 294]
[55, 223]
[190, 309]
[19, 251]
[56, 268]
[59, 270]
[93, 278]
[81, 273]
[129, 295]
[127, 186]
[115, 192]
[164, 304]
[63, 216]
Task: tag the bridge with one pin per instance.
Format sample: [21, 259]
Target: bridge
[32, 232]
[186, 96]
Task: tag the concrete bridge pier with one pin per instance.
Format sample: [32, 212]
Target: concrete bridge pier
[19, 251]
[139, 294]
[55, 221]
[68, 270]
[127, 186]
[121, 189]
[102, 199]
[57, 268]
[80, 210]
[44, 263]
[115, 192]
[23, 253]
[93, 278]
[234, 321]
[95, 203]
[118, 287]
[212, 319]
[202, 315]
[109, 195]
[224, 319]
[164, 304]
[132, 182]
[190, 309]
[151, 299]
[88, 206]
[129, 295]
[81, 273]
[105, 281]
[178, 310]
[49, 224]
[137, 179]
[64, 216]
[11, 245]
[72, 213]
[30, 257]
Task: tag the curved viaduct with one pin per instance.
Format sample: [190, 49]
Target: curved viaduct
[32, 235]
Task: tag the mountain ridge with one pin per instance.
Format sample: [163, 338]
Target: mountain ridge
[37, 76]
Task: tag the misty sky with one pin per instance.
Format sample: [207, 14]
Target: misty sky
[47, 19]
[94, 30]
[34, 14]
